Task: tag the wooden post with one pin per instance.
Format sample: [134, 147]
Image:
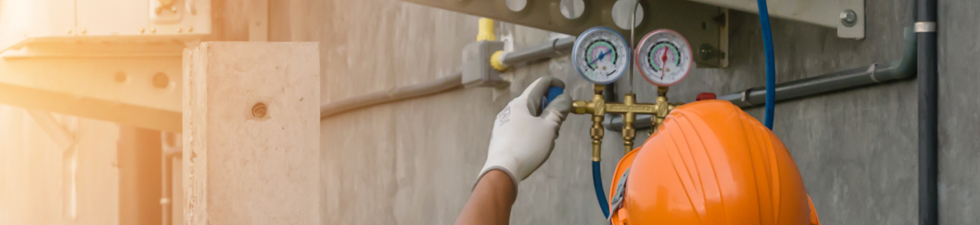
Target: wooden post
[251, 133]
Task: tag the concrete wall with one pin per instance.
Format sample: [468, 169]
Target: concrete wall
[412, 162]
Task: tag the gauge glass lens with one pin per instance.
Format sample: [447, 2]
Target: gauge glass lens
[601, 55]
[664, 57]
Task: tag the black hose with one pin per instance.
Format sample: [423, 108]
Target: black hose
[925, 27]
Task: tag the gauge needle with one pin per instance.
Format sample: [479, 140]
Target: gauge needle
[664, 64]
[601, 55]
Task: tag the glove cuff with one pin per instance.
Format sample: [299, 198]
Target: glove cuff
[509, 167]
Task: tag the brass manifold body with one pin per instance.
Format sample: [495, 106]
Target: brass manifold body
[598, 108]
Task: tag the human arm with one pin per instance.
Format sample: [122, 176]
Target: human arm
[490, 202]
[521, 140]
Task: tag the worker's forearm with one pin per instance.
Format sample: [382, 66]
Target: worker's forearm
[491, 200]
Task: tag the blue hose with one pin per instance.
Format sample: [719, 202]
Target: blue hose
[599, 193]
[770, 62]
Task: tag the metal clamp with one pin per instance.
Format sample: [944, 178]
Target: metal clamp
[925, 27]
[745, 97]
[554, 46]
[871, 69]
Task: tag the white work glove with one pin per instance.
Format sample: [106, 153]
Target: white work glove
[521, 139]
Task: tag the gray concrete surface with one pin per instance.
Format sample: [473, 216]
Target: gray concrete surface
[413, 162]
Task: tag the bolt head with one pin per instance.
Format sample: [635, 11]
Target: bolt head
[848, 18]
[706, 52]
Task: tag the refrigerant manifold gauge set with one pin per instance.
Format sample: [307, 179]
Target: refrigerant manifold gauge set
[601, 55]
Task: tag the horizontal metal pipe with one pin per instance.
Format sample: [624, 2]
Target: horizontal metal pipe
[837, 81]
[395, 94]
[545, 51]
[811, 86]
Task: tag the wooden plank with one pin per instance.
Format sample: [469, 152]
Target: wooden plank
[243, 164]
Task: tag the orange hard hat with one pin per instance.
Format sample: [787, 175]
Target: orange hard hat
[710, 163]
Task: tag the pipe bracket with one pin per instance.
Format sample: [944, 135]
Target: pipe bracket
[871, 70]
[925, 27]
[554, 46]
[745, 97]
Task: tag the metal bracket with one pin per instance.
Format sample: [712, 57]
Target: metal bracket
[122, 65]
[139, 89]
[847, 16]
[701, 24]
[61, 136]
[925, 27]
[851, 27]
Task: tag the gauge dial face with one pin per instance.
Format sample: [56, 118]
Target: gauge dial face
[601, 55]
[664, 57]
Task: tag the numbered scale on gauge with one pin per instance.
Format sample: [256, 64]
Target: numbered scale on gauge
[601, 55]
[664, 57]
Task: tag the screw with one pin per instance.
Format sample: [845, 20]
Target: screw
[848, 18]
[142, 30]
[190, 29]
[69, 31]
[707, 52]
[259, 110]
[84, 31]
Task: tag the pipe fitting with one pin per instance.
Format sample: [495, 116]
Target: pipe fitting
[486, 32]
[598, 108]
[496, 61]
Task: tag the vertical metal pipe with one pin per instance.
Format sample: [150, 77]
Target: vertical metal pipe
[925, 28]
[165, 193]
[139, 157]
